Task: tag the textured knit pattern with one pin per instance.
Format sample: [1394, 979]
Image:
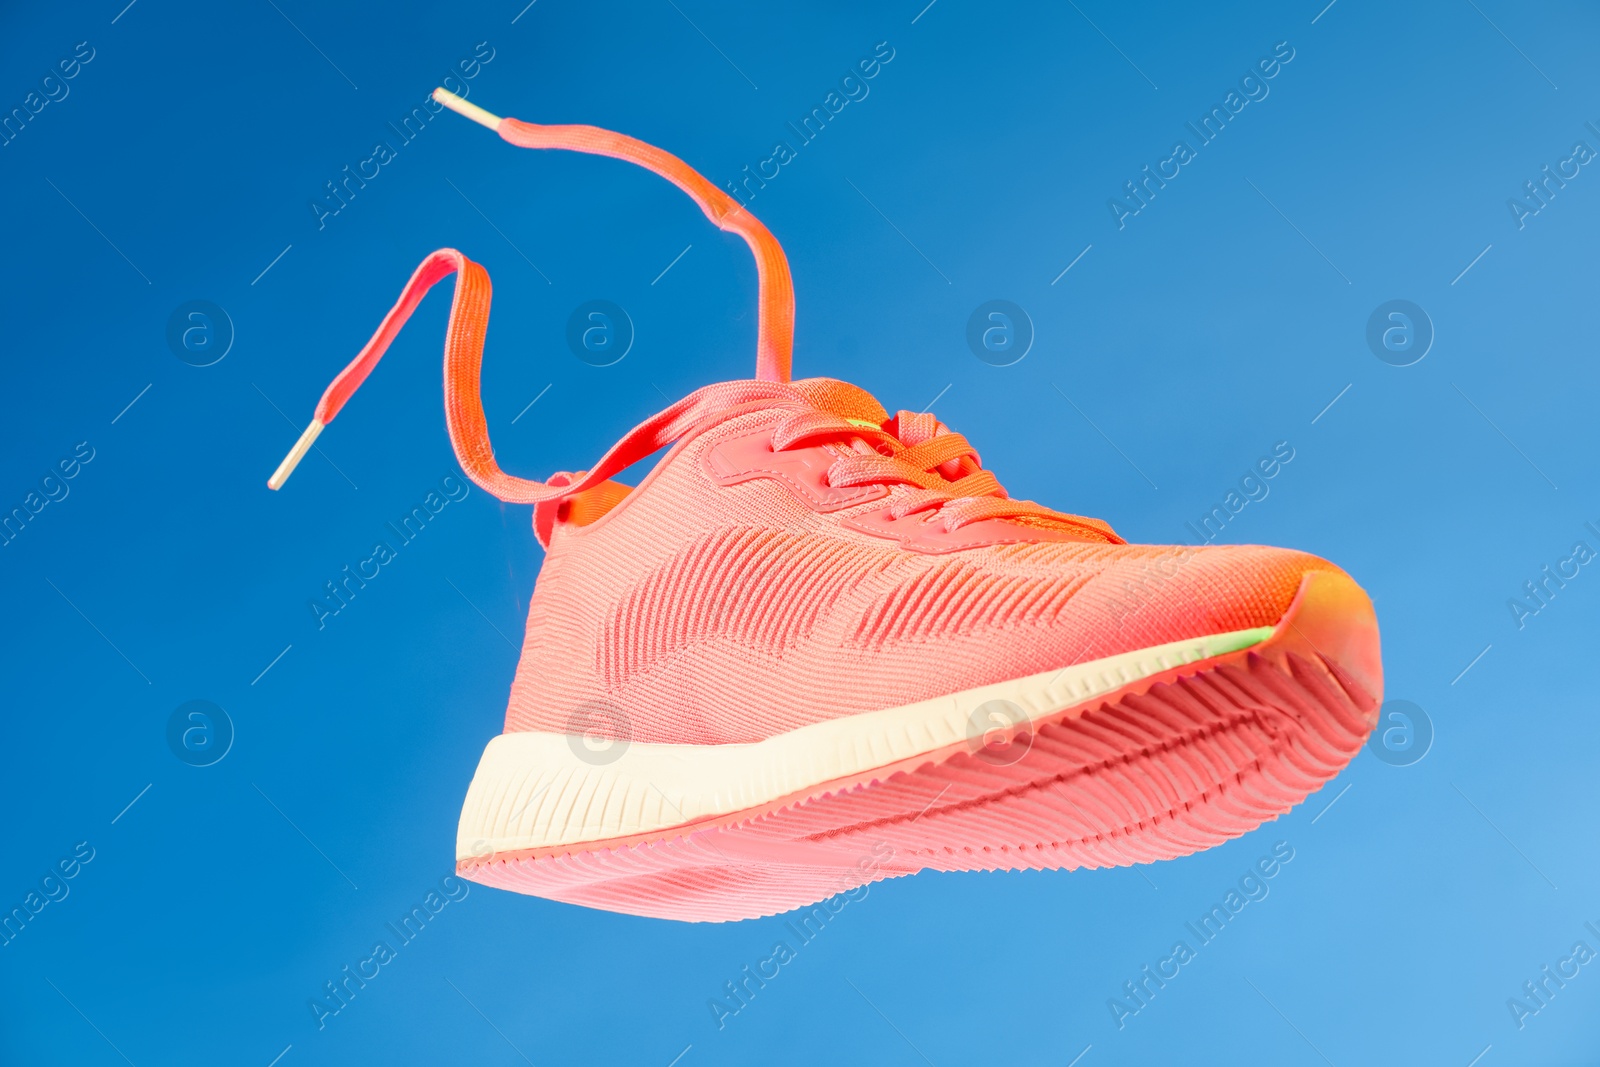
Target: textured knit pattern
[702, 613]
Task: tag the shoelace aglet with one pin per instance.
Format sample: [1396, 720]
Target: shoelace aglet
[296, 454]
[471, 111]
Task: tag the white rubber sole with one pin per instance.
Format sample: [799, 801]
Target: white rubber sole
[535, 790]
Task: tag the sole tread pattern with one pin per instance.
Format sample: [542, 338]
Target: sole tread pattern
[1152, 775]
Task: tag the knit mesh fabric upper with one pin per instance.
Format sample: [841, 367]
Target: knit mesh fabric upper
[708, 614]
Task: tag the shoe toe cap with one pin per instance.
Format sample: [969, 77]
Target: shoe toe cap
[1174, 593]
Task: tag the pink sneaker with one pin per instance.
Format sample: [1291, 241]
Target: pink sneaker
[818, 645]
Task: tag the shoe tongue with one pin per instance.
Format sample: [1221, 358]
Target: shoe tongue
[842, 399]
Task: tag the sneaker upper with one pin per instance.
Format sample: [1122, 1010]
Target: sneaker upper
[764, 577]
[797, 555]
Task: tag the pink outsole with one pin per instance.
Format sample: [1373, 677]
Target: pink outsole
[1162, 768]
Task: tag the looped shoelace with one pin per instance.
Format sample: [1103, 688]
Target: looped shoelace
[944, 474]
[469, 320]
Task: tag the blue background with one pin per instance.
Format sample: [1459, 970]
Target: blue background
[1195, 338]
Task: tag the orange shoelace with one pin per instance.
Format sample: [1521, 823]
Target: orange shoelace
[943, 472]
[469, 321]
